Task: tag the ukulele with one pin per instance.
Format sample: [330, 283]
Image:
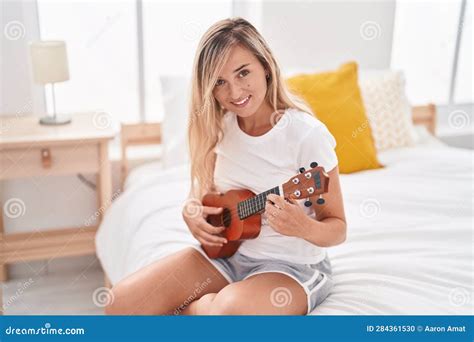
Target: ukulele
[242, 209]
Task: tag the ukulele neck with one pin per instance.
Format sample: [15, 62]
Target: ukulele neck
[256, 204]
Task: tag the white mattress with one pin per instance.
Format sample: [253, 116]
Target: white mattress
[409, 246]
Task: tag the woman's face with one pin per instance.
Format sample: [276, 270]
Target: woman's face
[242, 85]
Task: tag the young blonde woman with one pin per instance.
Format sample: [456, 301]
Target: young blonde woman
[246, 132]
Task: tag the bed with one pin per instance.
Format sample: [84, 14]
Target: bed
[409, 244]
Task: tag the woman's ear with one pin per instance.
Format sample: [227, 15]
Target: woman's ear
[267, 74]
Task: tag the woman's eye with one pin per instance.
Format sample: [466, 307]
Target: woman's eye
[243, 73]
[220, 82]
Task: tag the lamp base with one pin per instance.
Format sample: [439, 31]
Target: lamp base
[55, 120]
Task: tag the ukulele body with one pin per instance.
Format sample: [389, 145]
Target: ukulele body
[308, 184]
[236, 229]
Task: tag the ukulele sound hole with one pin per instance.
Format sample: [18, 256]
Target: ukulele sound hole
[220, 220]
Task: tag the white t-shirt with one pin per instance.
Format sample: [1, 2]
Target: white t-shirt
[263, 162]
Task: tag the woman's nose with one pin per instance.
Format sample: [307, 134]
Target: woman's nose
[235, 92]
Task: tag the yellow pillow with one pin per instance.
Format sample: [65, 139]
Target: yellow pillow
[334, 98]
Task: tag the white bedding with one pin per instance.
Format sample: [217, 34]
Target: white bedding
[409, 246]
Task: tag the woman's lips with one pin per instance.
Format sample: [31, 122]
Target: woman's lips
[243, 102]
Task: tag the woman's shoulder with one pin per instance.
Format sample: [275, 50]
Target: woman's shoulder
[301, 120]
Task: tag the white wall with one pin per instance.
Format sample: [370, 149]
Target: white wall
[19, 24]
[329, 33]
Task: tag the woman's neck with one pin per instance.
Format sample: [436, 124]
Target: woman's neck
[258, 123]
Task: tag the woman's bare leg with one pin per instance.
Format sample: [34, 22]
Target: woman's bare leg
[166, 286]
[261, 294]
[200, 306]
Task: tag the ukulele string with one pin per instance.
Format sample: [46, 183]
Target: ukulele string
[253, 206]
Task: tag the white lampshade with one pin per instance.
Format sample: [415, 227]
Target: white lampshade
[49, 61]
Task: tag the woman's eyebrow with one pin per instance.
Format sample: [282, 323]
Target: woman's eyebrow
[242, 66]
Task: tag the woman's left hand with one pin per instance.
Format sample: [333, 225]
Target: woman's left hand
[287, 217]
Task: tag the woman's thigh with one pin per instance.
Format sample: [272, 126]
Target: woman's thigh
[261, 294]
[166, 285]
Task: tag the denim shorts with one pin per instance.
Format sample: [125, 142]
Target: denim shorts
[316, 279]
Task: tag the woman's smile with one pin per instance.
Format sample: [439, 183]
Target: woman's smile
[242, 102]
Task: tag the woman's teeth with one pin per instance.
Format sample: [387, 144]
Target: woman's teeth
[243, 102]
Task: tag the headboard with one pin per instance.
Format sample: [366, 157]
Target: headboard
[426, 116]
[150, 133]
[137, 135]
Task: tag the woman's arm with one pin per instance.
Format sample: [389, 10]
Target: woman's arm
[329, 227]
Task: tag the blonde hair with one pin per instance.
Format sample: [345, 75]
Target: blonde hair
[205, 119]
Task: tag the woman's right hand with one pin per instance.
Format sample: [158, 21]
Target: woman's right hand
[195, 214]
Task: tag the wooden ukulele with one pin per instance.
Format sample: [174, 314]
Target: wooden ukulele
[242, 209]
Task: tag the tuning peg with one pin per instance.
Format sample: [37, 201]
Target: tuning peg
[307, 203]
[302, 169]
[313, 164]
[320, 200]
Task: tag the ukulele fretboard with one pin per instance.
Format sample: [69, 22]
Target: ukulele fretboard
[255, 204]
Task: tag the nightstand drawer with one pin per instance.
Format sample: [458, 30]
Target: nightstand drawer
[48, 160]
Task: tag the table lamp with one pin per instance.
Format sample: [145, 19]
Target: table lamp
[50, 65]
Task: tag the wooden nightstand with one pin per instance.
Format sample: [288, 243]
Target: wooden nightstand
[28, 149]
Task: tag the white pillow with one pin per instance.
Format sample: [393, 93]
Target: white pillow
[175, 94]
[388, 109]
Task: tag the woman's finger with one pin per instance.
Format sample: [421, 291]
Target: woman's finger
[211, 238]
[211, 210]
[271, 209]
[279, 201]
[209, 228]
[208, 236]
[210, 244]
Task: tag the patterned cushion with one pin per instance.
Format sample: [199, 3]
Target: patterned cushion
[388, 110]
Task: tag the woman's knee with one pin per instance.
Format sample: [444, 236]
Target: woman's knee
[200, 306]
[205, 302]
[117, 300]
[228, 302]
